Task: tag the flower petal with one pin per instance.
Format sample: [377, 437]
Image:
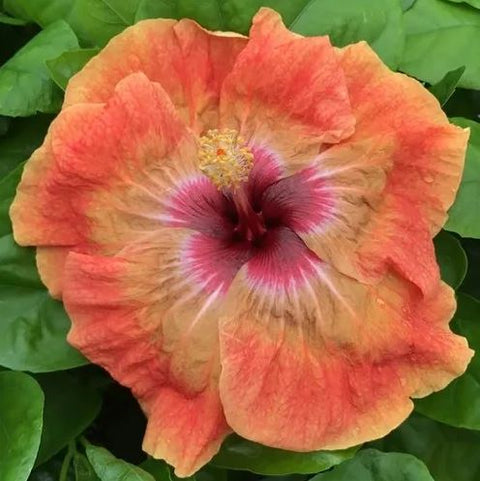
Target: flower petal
[108, 173]
[95, 154]
[196, 203]
[287, 92]
[50, 265]
[312, 359]
[150, 317]
[416, 168]
[188, 61]
[266, 170]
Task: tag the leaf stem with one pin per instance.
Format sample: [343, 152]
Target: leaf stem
[67, 461]
[83, 441]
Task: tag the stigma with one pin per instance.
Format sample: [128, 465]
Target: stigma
[224, 158]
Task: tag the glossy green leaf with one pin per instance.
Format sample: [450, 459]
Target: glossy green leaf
[212, 14]
[372, 465]
[94, 21]
[71, 404]
[24, 136]
[68, 64]
[451, 454]
[234, 15]
[21, 407]
[464, 215]
[473, 3]
[238, 453]
[379, 22]
[444, 89]
[83, 469]
[451, 258]
[109, 468]
[471, 284]
[441, 37]
[459, 403]
[407, 4]
[292, 477]
[157, 468]
[8, 186]
[25, 84]
[34, 326]
[210, 473]
[11, 20]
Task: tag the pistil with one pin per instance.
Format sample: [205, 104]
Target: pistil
[250, 225]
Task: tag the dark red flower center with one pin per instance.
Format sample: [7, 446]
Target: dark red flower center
[250, 224]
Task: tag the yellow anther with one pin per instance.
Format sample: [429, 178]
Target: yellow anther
[224, 158]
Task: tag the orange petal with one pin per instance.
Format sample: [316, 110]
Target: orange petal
[312, 359]
[149, 317]
[103, 173]
[50, 265]
[411, 172]
[188, 61]
[286, 92]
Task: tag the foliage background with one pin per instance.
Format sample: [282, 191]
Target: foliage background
[65, 420]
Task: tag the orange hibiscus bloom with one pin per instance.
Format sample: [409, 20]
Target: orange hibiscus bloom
[241, 231]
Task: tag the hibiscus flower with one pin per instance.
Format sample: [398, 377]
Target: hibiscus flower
[241, 232]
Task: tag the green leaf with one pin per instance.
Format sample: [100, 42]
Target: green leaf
[379, 22]
[94, 21]
[451, 258]
[372, 465]
[71, 404]
[441, 37]
[212, 14]
[238, 453]
[444, 89]
[451, 454]
[407, 4]
[210, 473]
[459, 403]
[11, 20]
[158, 469]
[21, 406]
[8, 186]
[68, 64]
[25, 84]
[83, 469]
[34, 326]
[473, 3]
[464, 215]
[471, 284]
[109, 468]
[24, 136]
[155, 9]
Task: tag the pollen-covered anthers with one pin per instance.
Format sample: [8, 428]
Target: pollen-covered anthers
[225, 158]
